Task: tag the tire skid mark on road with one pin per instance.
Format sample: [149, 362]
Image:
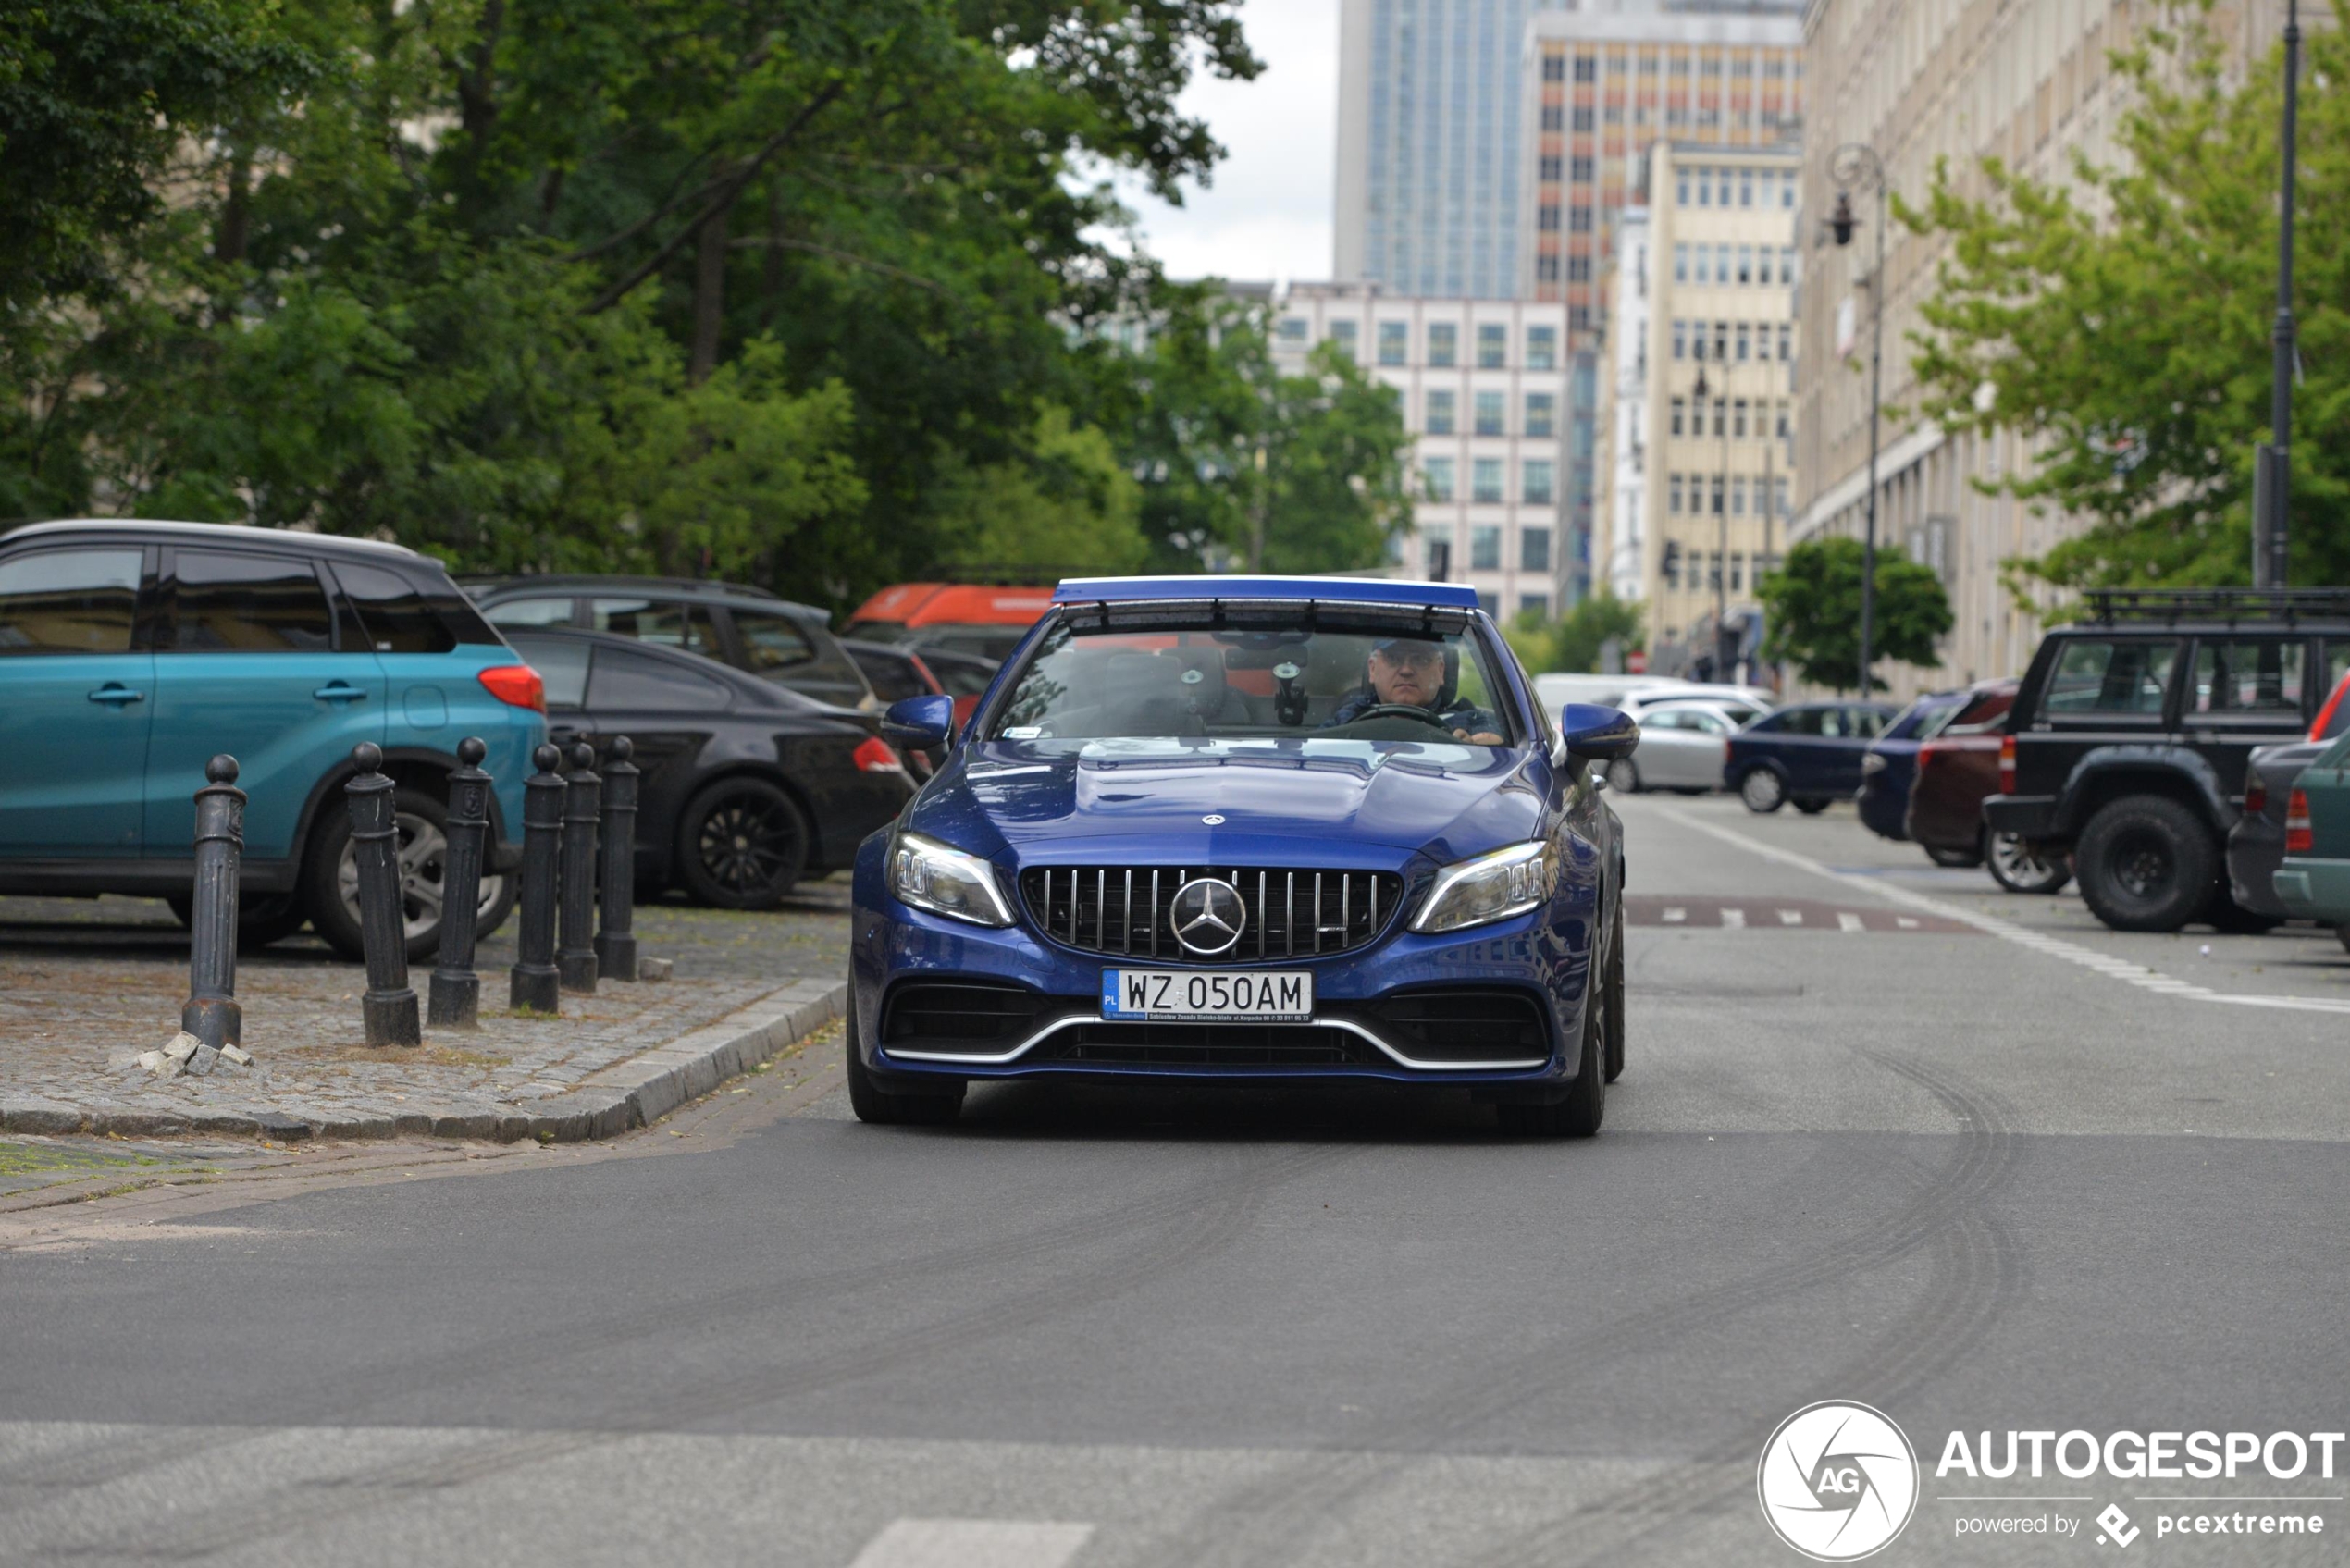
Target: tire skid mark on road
[350, 1394]
[2022, 936]
[1977, 1269]
[1267, 1521]
[1212, 1222]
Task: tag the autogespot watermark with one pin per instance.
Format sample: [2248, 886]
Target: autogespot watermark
[1838, 1481]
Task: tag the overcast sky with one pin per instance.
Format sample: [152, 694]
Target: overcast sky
[1266, 217]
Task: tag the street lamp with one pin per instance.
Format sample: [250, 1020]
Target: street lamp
[1850, 164]
[2272, 467]
[1722, 526]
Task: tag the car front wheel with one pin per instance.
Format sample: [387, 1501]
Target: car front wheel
[2145, 863]
[1762, 790]
[1577, 1115]
[878, 1105]
[1623, 776]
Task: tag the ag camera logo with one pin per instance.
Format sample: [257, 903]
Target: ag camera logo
[1837, 1481]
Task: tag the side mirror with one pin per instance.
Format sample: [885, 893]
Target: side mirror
[920, 723]
[1595, 734]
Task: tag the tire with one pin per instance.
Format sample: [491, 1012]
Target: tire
[2232, 918]
[2021, 870]
[2145, 863]
[1614, 1043]
[1578, 1115]
[262, 918]
[1623, 776]
[741, 845]
[1956, 859]
[1762, 790]
[1812, 808]
[879, 1106]
[330, 879]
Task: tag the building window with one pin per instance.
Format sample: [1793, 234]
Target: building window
[1553, 118]
[1553, 68]
[1787, 191]
[1786, 342]
[1485, 548]
[1485, 490]
[1705, 259]
[1394, 341]
[1578, 268]
[1782, 422]
[1534, 549]
[1673, 495]
[1704, 186]
[1493, 345]
[1536, 606]
[1680, 264]
[1342, 334]
[1550, 164]
[1680, 408]
[1717, 490]
[1579, 220]
[1737, 495]
[1738, 418]
[1711, 66]
[1541, 349]
[1787, 265]
[1443, 344]
[1489, 417]
[1720, 341]
[1293, 328]
[1746, 188]
[1546, 217]
[1536, 483]
[1746, 264]
[1680, 64]
[1681, 188]
[1721, 187]
[1680, 338]
[1721, 264]
[1546, 268]
[1579, 318]
[1742, 342]
[1582, 118]
[1581, 171]
[1721, 417]
[1440, 477]
[1439, 411]
[1541, 413]
[1586, 68]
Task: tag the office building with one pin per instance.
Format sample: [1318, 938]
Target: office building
[1484, 385]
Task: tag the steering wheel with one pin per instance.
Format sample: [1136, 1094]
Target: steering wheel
[1401, 710]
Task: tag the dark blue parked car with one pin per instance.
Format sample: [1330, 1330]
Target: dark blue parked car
[1809, 753]
[1249, 829]
[1890, 765]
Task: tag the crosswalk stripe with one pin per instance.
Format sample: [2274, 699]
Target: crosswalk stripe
[1734, 918]
[1674, 917]
[974, 1543]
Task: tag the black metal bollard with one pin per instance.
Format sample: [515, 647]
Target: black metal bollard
[616, 899]
[535, 987]
[576, 957]
[390, 1006]
[212, 1015]
[455, 998]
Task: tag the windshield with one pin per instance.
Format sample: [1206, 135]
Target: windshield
[1205, 681]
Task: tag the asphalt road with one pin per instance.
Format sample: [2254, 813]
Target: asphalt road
[1967, 1158]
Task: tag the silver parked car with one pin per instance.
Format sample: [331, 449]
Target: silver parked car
[1683, 745]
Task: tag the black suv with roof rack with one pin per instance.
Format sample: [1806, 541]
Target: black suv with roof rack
[2127, 743]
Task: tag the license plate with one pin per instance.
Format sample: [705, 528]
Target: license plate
[1207, 994]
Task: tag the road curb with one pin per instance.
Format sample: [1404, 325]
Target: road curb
[636, 1092]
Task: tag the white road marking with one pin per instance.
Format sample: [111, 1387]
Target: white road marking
[1847, 920]
[974, 1543]
[1905, 922]
[1733, 918]
[2022, 936]
[1674, 917]
[1790, 917]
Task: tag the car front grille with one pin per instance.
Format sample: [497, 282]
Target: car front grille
[1222, 1045]
[1292, 914]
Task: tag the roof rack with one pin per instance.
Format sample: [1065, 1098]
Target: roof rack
[2172, 606]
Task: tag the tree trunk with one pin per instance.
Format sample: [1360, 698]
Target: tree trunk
[709, 294]
[236, 213]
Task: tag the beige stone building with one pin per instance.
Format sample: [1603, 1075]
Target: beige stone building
[1917, 80]
[1714, 302]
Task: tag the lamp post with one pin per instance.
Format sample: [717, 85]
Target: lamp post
[2272, 466]
[1698, 394]
[1850, 164]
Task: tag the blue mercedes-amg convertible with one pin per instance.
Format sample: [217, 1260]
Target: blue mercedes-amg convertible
[1249, 829]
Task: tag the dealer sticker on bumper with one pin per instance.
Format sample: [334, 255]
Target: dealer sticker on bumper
[1278, 994]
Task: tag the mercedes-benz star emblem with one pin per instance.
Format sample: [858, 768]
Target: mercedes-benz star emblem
[1214, 819]
[1208, 916]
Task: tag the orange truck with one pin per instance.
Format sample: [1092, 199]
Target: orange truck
[972, 618]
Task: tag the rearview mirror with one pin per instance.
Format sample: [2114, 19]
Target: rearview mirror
[920, 723]
[1597, 734]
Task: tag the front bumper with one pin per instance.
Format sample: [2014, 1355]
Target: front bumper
[1544, 958]
[2314, 890]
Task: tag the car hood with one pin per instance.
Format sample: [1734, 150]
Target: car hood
[1297, 802]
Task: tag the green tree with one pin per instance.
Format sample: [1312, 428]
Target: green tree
[1811, 605]
[1067, 508]
[2122, 326]
[1572, 642]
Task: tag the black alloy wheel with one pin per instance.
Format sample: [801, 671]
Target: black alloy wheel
[1584, 1106]
[887, 1108]
[2020, 867]
[741, 845]
[2145, 863]
[1613, 1051]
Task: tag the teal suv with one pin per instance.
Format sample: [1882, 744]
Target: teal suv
[131, 652]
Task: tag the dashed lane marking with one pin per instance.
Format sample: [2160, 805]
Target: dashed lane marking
[2122, 969]
[1733, 918]
[1790, 914]
[974, 1543]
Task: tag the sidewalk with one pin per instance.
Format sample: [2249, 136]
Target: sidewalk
[85, 983]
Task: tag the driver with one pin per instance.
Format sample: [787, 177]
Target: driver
[1409, 672]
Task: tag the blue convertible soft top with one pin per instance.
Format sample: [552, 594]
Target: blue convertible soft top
[1331, 590]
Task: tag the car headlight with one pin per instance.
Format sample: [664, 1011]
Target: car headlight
[1490, 887]
[946, 881]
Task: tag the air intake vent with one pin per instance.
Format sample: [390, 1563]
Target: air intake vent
[959, 1013]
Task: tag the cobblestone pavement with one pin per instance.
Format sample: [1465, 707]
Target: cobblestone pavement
[82, 982]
